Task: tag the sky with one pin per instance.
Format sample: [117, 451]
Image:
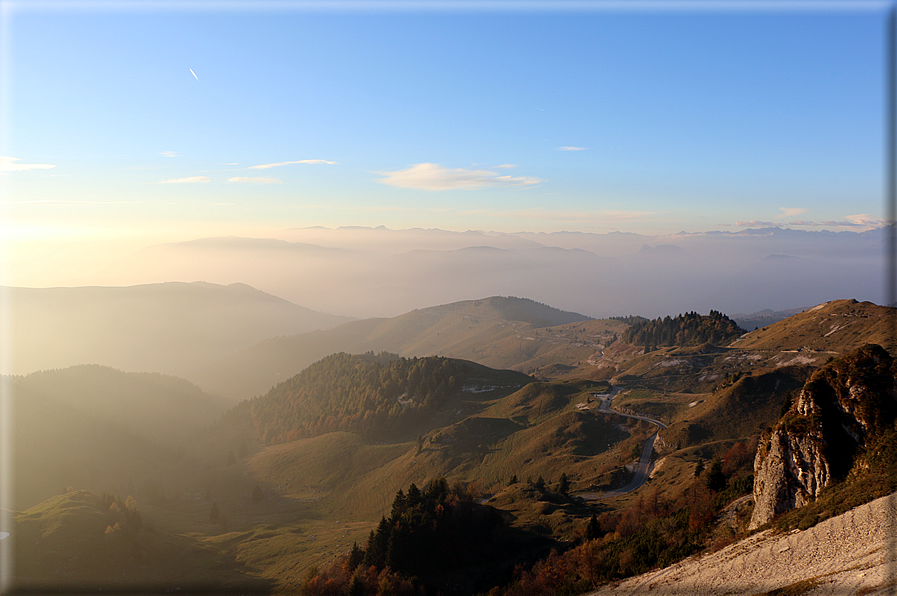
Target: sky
[177, 120]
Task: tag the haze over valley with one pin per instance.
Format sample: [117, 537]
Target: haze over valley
[446, 298]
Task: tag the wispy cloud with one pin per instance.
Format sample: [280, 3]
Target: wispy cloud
[505, 166]
[790, 211]
[431, 176]
[193, 73]
[190, 180]
[866, 220]
[255, 180]
[854, 222]
[566, 216]
[286, 163]
[571, 148]
[170, 153]
[8, 164]
[756, 223]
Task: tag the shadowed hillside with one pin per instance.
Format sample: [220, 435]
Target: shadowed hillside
[98, 428]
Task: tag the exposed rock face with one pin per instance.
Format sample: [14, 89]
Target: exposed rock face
[843, 406]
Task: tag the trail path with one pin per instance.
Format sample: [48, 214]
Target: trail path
[644, 464]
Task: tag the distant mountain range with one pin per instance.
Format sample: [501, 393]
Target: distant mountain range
[169, 328]
[376, 272]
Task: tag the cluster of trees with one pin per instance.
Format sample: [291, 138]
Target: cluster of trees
[373, 395]
[631, 319]
[433, 537]
[654, 531]
[689, 329]
[432, 540]
[122, 514]
[123, 524]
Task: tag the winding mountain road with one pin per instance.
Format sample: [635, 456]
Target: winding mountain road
[644, 464]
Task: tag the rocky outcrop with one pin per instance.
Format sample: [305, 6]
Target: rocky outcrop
[840, 410]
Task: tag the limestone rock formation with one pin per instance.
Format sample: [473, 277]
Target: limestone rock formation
[839, 411]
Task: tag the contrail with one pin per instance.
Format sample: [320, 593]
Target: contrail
[193, 73]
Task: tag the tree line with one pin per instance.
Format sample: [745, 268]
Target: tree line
[434, 541]
[689, 329]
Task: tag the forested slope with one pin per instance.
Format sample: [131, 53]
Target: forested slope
[372, 395]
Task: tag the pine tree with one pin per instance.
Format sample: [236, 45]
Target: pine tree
[356, 556]
[716, 480]
[563, 485]
[593, 530]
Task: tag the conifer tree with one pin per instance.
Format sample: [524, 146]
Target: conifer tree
[593, 530]
[563, 485]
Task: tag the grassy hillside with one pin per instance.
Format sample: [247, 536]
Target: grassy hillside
[835, 327]
[80, 540]
[738, 411]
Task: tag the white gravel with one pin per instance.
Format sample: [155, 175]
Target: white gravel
[852, 553]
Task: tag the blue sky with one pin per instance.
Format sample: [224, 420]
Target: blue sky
[158, 119]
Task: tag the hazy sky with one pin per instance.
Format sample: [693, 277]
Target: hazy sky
[125, 119]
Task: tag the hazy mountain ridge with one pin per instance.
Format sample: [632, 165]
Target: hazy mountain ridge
[169, 328]
[599, 275]
[500, 332]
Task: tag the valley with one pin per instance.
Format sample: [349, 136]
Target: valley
[546, 418]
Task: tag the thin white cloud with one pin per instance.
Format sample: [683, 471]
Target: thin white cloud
[859, 221]
[170, 154]
[190, 180]
[193, 73]
[572, 216]
[755, 223]
[8, 164]
[505, 166]
[431, 176]
[866, 220]
[790, 211]
[285, 163]
[571, 148]
[255, 180]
